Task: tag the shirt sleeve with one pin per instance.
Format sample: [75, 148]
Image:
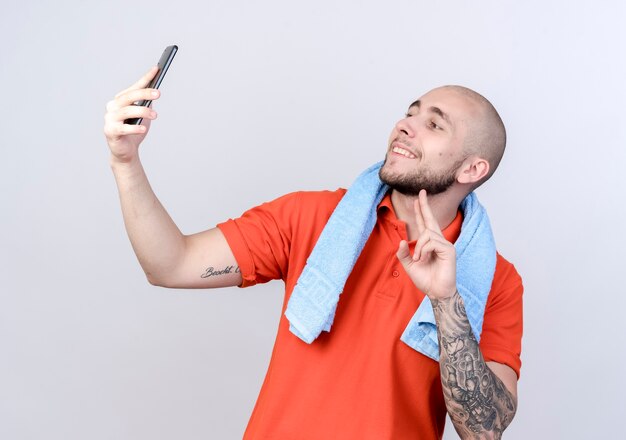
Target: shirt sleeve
[261, 239]
[501, 338]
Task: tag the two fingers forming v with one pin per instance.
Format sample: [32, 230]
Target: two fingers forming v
[430, 238]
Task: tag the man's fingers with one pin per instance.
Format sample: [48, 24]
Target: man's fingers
[431, 247]
[428, 242]
[403, 253]
[134, 111]
[113, 130]
[142, 82]
[419, 218]
[146, 78]
[429, 218]
[114, 125]
[421, 241]
[133, 96]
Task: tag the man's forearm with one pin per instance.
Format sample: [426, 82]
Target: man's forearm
[156, 240]
[479, 404]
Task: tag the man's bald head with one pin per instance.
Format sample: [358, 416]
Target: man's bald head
[486, 135]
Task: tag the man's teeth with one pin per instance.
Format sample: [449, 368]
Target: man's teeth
[403, 152]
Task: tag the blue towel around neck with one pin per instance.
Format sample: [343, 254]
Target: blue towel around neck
[314, 299]
[313, 302]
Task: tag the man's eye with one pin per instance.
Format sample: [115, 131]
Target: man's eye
[435, 126]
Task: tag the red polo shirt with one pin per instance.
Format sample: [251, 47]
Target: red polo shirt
[359, 381]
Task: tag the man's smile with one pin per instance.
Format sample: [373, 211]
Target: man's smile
[401, 149]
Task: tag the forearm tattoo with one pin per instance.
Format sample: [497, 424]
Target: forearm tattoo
[213, 272]
[478, 402]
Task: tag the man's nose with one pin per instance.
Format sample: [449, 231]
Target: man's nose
[408, 126]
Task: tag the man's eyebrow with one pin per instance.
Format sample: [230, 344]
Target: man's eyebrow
[433, 109]
[441, 113]
[415, 104]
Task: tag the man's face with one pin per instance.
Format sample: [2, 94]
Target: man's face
[425, 148]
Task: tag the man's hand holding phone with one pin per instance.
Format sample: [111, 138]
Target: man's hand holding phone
[128, 115]
[124, 139]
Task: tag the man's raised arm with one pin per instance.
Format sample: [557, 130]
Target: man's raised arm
[481, 397]
[169, 258]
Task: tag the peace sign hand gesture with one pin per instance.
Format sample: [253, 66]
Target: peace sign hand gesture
[432, 268]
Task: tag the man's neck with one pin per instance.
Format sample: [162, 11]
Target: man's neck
[444, 207]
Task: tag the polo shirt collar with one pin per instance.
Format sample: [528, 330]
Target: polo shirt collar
[386, 212]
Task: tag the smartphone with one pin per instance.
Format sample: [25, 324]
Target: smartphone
[163, 65]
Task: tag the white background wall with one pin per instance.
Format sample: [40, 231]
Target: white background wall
[265, 98]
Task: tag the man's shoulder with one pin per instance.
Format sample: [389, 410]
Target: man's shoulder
[306, 208]
[304, 212]
[315, 200]
[322, 196]
[506, 273]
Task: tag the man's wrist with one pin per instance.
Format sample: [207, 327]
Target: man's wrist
[444, 301]
[131, 164]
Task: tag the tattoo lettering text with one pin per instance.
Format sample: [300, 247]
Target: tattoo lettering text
[212, 272]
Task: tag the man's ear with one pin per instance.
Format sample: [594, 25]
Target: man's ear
[473, 170]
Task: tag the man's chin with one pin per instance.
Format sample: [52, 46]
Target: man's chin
[412, 187]
[396, 183]
[405, 191]
[387, 172]
[390, 175]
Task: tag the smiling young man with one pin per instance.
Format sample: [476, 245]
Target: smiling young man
[360, 380]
